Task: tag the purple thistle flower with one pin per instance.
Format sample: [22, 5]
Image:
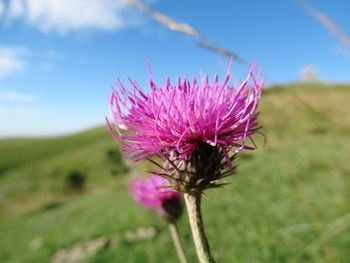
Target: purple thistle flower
[180, 117]
[156, 193]
[191, 126]
[152, 192]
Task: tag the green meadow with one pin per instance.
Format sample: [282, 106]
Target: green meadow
[65, 199]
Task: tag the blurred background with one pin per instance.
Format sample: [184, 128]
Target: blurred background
[63, 181]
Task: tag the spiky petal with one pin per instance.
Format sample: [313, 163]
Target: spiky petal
[181, 117]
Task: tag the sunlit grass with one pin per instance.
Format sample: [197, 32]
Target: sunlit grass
[287, 203]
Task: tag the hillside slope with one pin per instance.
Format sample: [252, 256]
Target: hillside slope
[288, 202]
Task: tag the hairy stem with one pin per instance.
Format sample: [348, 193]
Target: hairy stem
[177, 242]
[193, 204]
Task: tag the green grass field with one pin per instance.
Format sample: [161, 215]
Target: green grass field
[288, 202]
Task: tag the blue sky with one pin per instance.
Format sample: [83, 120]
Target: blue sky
[60, 58]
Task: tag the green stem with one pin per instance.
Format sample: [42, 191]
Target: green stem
[193, 204]
[177, 242]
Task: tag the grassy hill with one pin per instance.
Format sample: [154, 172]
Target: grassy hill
[288, 202]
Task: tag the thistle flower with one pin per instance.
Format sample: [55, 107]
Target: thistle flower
[155, 193]
[191, 122]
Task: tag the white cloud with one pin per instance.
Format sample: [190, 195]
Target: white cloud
[2, 7]
[71, 15]
[11, 60]
[16, 8]
[14, 96]
[21, 111]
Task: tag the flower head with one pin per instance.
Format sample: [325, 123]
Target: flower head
[181, 117]
[155, 193]
[196, 128]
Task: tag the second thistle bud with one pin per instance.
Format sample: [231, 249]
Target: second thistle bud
[155, 193]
